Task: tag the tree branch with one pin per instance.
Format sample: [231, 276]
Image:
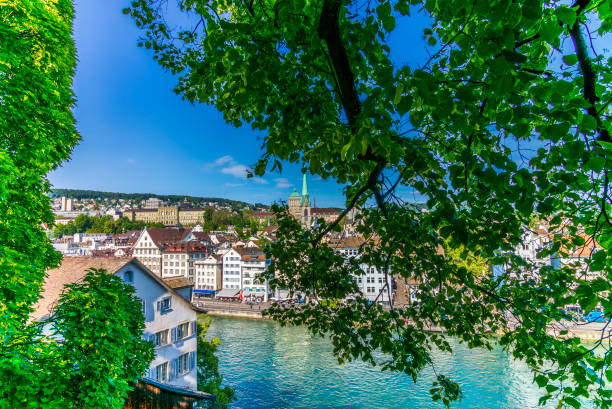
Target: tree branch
[586, 68]
[329, 31]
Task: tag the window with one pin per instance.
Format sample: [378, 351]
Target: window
[182, 331]
[183, 364]
[161, 338]
[143, 309]
[161, 372]
[165, 305]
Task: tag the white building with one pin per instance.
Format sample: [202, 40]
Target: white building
[254, 263]
[232, 277]
[170, 320]
[372, 283]
[178, 259]
[208, 276]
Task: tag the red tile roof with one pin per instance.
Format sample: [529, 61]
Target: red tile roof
[72, 270]
[160, 236]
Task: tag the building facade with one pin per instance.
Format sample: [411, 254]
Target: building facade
[168, 215]
[232, 263]
[254, 263]
[372, 283]
[208, 276]
[170, 320]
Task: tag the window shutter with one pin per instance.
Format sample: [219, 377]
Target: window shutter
[194, 327]
[192, 356]
[173, 334]
[169, 302]
[159, 306]
[152, 338]
[171, 370]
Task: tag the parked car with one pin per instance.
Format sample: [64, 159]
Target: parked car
[595, 316]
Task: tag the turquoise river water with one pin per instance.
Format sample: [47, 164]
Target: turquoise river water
[286, 367]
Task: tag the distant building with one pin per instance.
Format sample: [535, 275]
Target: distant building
[208, 276]
[67, 204]
[372, 282]
[168, 215]
[300, 208]
[152, 203]
[178, 259]
[253, 264]
[148, 247]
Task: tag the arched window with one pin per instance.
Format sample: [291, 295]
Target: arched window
[128, 277]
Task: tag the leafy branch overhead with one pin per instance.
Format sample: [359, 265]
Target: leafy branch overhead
[507, 119]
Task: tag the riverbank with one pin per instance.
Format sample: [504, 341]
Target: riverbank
[584, 331]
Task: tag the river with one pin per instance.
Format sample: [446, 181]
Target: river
[277, 367]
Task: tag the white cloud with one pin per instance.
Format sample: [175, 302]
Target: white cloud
[259, 181]
[131, 161]
[238, 171]
[222, 161]
[234, 184]
[282, 183]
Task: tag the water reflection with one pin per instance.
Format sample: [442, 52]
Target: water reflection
[286, 367]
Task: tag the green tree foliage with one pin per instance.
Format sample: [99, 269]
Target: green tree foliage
[503, 75]
[100, 323]
[37, 133]
[100, 224]
[209, 378]
[93, 349]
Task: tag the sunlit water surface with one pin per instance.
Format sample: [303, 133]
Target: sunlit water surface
[286, 367]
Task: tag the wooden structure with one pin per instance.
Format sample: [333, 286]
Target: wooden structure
[149, 394]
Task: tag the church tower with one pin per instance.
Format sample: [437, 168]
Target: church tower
[299, 205]
[305, 204]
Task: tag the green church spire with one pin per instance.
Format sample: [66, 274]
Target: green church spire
[305, 198]
[304, 186]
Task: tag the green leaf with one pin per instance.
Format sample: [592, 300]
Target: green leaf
[566, 15]
[571, 59]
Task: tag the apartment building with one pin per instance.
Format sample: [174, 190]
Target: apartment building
[149, 245]
[373, 284]
[253, 264]
[232, 265]
[208, 276]
[170, 320]
[178, 259]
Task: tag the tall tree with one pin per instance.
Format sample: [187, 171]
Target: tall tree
[37, 133]
[502, 76]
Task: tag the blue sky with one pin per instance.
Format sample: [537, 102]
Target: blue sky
[138, 136]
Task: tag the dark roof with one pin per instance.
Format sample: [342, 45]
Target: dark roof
[324, 210]
[202, 236]
[179, 390]
[263, 214]
[185, 247]
[162, 235]
[177, 282]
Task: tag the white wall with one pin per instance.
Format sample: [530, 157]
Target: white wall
[151, 292]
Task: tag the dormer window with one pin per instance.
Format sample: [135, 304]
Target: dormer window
[165, 305]
[128, 277]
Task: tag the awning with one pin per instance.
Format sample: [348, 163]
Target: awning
[228, 293]
[204, 291]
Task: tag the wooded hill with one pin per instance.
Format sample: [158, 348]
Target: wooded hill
[94, 194]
